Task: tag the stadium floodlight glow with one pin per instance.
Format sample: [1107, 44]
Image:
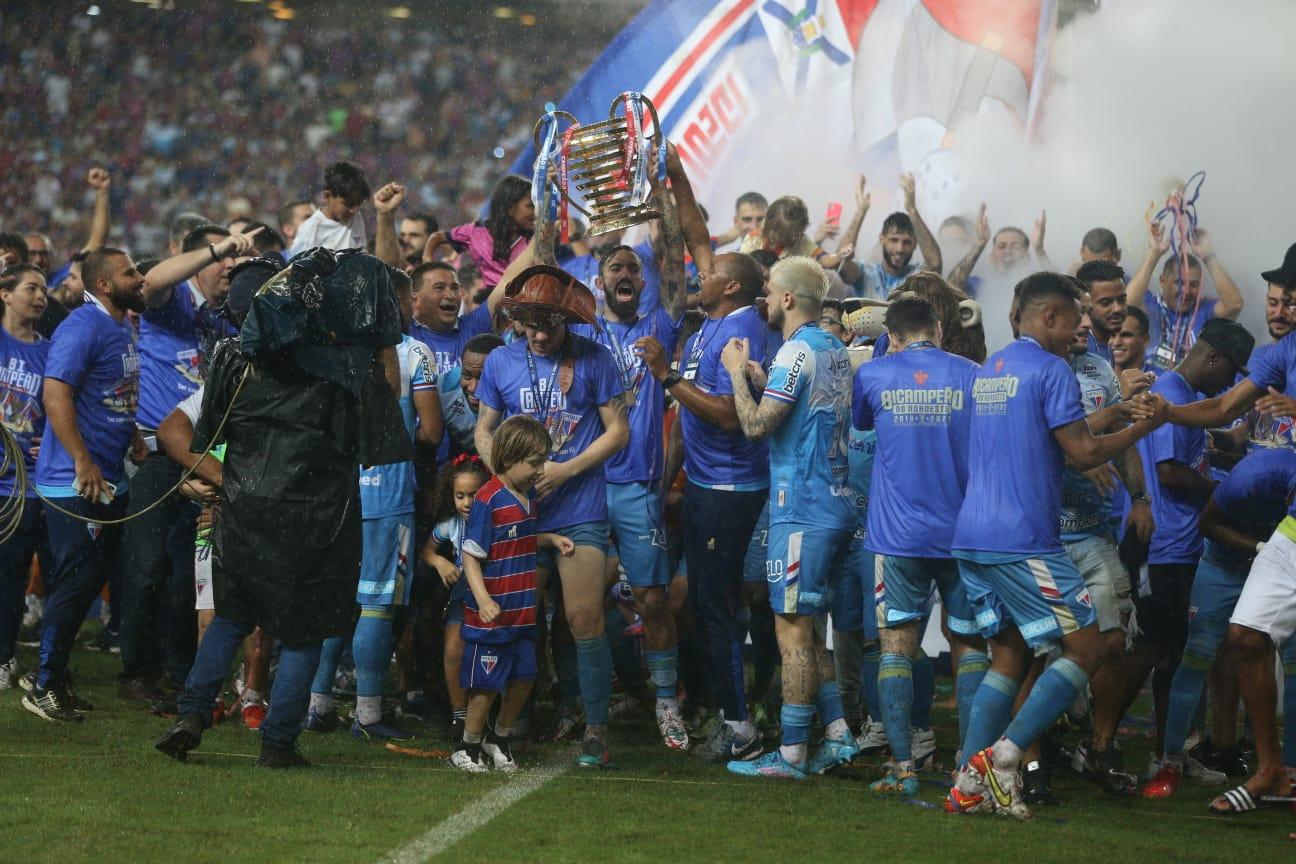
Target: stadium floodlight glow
[504, 12]
[399, 12]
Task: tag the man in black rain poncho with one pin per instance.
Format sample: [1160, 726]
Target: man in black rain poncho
[304, 395]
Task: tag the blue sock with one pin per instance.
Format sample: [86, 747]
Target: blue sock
[330, 654]
[1185, 694]
[1052, 694]
[564, 653]
[992, 707]
[372, 647]
[972, 668]
[896, 690]
[869, 680]
[594, 671]
[828, 703]
[1289, 703]
[924, 690]
[662, 671]
[796, 723]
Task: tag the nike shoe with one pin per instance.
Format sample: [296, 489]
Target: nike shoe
[872, 738]
[831, 754]
[673, 731]
[1037, 786]
[498, 751]
[1004, 786]
[184, 735]
[726, 745]
[1194, 770]
[770, 765]
[1163, 784]
[468, 757]
[594, 754]
[903, 783]
[321, 721]
[922, 746]
[9, 674]
[379, 732]
[53, 704]
[1107, 769]
[253, 715]
[969, 793]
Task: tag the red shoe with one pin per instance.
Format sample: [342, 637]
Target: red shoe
[1163, 784]
[218, 713]
[960, 802]
[253, 715]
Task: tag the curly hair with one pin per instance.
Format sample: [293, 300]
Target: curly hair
[967, 342]
[443, 507]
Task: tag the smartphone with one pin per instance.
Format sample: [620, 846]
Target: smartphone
[834, 213]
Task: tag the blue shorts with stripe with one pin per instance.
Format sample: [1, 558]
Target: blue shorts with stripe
[635, 517]
[1043, 596]
[804, 563]
[904, 587]
[385, 561]
[492, 666]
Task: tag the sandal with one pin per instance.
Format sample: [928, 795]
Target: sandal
[1240, 800]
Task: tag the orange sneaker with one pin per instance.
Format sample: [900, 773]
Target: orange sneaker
[1163, 784]
[253, 715]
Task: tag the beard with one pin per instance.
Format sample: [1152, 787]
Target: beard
[623, 299]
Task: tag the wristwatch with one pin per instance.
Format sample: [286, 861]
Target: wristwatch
[672, 378]
[1142, 496]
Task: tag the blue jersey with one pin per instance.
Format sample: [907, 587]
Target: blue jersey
[174, 339]
[1171, 334]
[713, 457]
[1176, 539]
[1085, 511]
[643, 460]
[863, 446]
[1014, 492]
[1254, 498]
[446, 348]
[95, 356]
[1270, 367]
[501, 532]
[809, 465]
[920, 402]
[22, 374]
[388, 490]
[457, 416]
[516, 381]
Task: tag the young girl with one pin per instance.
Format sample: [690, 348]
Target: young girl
[499, 547]
[783, 234]
[456, 489]
[495, 241]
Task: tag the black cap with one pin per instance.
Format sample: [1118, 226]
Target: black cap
[245, 281]
[1286, 274]
[1230, 339]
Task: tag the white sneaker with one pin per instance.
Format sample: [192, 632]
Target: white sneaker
[922, 747]
[470, 762]
[872, 737]
[1194, 770]
[9, 674]
[497, 750]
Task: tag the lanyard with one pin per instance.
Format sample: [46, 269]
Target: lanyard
[626, 368]
[1032, 340]
[699, 343]
[923, 344]
[543, 411]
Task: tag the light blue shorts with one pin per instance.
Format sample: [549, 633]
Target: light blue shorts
[585, 534]
[385, 561]
[635, 516]
[1043, 596]
[904, 586]
[804, 565]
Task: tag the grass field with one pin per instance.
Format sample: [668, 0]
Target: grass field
[97, 791]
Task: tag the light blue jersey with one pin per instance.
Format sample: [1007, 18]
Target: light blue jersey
[1086, 512]
[862, 447]
[809, 465]
[457, 415]
[388, 490]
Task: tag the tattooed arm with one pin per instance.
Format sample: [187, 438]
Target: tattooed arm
[674, 295]
[756, 419]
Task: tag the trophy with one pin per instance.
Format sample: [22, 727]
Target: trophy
[602, 168]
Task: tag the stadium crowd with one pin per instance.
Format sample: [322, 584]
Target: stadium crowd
[625, 462]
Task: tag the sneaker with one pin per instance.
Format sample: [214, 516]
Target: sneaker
[832, 753]
[136, 690]
[1163, 784]
[322, 721]
[922, 745]
[278, 758]
[594, 754]
[1004, 786]
[903, 783]
[105, 641]
[497, 750]
[468, 757]
[52, 704]
[28, 681]
[184, 735]
[969, 793]
[33, 613]
[726, 745]
[379, 732]
[1230, 762]
[1037, 786]
[253, 715]
[1107, 769]
[1194, 770]
[570, 721]
[673, 731]
[770, 765]
[9, 674]
[872, 738]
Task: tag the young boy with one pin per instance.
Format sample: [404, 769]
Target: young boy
[498, 630]
[336, 225]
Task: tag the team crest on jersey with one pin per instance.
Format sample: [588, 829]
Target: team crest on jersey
[488, 662]
[1084, 599]
[94, 528]
[920, 378]
[512, 533]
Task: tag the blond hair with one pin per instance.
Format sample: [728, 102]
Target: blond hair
[801, 277]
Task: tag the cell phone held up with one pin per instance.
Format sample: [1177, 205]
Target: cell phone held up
[834, 214]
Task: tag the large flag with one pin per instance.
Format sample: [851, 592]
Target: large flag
[798, 96]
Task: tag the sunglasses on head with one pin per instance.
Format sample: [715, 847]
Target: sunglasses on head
[541, 319]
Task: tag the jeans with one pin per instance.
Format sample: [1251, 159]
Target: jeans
[15, 560]
[717, 528]
[83, 556]
[289, 695]
[158, 626]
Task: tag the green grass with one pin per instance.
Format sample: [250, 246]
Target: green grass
[98, 791]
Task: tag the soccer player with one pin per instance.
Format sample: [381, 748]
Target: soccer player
[499, 563]
[437, 323]
[804, 412]
[1104, 281]
[458, 391]
[1129, 344]
[918, 398]
[572, 386]
[1027, 415]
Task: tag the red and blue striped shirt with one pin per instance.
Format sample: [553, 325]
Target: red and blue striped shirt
[501, 531]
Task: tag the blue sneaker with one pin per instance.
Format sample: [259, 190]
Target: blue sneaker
[379, 732]
[902, 783]
[770, 765]
[321, 721]
[831, 754]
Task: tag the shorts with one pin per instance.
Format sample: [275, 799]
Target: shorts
[757, 549]
[1163, 606]
[1268, 601]
[1043, 596]
[593, 534]
[902, 586]
[804, 564]
[1099, 562]
[635, 516]
[455, 604]
[852, 604]
[385, 561]
[492, 666]
[204, 596]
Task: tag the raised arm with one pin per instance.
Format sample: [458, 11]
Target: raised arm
[674, 294]
[101, 220]
[693, 226]
[169, 273]
[1157, 244]
[1219, 411]
[1230, 296]
[926, 242]
[958, 277]
[1037, 243]
[849, 270]
[386, 244]
[1086, 450]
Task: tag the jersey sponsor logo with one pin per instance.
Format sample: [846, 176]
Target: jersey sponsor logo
[798, 363]
[370, 479]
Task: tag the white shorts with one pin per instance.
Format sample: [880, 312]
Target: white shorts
[1268, 601]
[204, 599]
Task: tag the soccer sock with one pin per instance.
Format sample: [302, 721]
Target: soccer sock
[330, 654]
[459, 714]
[1050, 696]
[869, 682]
[896, 690]
[372, 647]
[992, 707]
[796, 731]
[252, 697]
[594, 671]
[972, 668]
[832, 715]
[503, 731]
[924, 690]
[662, 671]
[1185, 693]
[564, 654]
[472, 737]
[321, 703]
[1289, 702]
